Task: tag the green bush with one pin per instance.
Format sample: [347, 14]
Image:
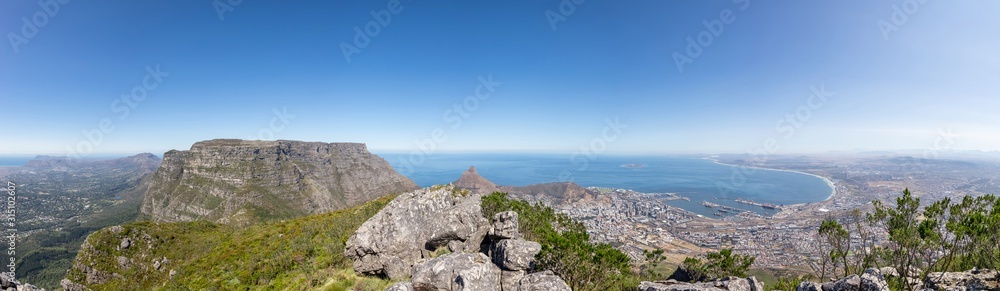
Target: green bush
[566, 247]
[716, 265]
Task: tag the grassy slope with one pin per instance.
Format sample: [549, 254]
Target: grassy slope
[304, 253]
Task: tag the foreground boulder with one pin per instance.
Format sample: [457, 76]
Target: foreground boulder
[413, 226]
[505, 226]
[728, 283]
[401, 286]
[869, 280]
[457, 271]
[515, 254]
[969, 280]
[439, 238]
[7, 282]
[541, 281]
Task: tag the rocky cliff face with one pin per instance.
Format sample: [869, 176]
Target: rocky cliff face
[724, 284]
[241, 182]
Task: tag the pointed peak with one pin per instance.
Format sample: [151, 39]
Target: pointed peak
[471, 179]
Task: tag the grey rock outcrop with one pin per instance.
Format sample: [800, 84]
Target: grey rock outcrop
[982, 279]
[457, 271]
[728, 283]
[505, 226]
[869, 280]
[241, 182]
[403, 238]
[849, 283]
[542, 281]
[872, 280]
[515, 254]
[7, 282]
[68, 285]
[413, 225]
[511, 280]
[401, 286]
[809, 286]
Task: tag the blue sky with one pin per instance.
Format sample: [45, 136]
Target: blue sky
[277, 70]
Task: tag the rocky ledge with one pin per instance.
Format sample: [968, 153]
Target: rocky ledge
[8, 283]
[875, 280]
[439, 238]
[728, 283]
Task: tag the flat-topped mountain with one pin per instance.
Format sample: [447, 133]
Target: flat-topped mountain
[240, 181]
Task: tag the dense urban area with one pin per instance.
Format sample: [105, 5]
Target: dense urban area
[636, 221]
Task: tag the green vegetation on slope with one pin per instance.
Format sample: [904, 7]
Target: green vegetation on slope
[943, 236]
[304, 253]
[717, 265]
[566, 246]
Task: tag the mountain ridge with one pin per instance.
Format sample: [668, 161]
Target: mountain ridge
[244, 182]
[553, 193]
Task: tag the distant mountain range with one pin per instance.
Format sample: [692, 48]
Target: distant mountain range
[555, 193]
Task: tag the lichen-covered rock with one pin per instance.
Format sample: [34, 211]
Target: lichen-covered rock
[542, 281]
[872, 280]
[241, 182]
[809, 286]
[457, 271]
[68, 285]
[413, 225]
[7, 282]
[852, 282]
[515, 254]
[510, 280]
[505, 226]
[976, 279]
[869, 280]
[728, 283]
[401, 286]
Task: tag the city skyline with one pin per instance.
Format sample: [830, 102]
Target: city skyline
[645, 77]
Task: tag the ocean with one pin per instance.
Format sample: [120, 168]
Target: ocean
[696, 178]
[14, 160]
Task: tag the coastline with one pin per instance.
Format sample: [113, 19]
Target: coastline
[833, 186]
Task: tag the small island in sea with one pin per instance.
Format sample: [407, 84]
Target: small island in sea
[633, 166]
